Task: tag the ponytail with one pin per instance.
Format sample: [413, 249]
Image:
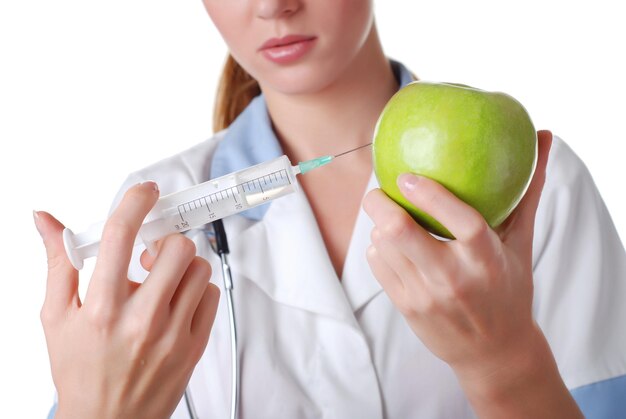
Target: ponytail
[235, 91]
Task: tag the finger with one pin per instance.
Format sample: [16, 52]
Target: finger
[416, 281]
[462, 220]
[206, 311]
[387, 277]
[397, 226]
[172, 261]
[189, 292]
[111, 270]
[62, 282]
[393, 256]
[522, 221]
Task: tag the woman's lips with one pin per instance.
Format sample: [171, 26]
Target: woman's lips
[287, 49]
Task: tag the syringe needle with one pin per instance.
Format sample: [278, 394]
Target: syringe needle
[354, 149]
[307, 166]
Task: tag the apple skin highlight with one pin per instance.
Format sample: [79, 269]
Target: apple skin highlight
[480, 145]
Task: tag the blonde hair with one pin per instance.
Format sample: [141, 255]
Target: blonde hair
[235, 91]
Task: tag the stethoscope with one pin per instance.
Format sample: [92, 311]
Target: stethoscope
[219, 244]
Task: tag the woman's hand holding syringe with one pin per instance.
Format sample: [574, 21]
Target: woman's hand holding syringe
[133, 346]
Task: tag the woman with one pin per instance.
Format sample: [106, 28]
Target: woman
[343, 310]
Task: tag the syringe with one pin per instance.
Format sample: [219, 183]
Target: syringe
[204, 203]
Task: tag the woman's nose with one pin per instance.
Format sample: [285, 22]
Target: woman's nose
[272, 9]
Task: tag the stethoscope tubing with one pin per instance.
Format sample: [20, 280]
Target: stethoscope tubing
[228, 279]
[222, 250]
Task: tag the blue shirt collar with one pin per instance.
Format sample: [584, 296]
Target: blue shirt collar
[251, 140]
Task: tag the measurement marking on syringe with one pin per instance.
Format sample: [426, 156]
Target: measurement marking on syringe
[250, 186]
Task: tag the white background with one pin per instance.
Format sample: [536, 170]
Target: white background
[90, 91]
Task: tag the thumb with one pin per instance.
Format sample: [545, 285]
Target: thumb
[62, 283]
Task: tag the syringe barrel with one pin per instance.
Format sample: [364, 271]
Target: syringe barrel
[198, 205]
[219, 198]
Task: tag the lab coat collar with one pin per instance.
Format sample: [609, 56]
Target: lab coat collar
[286, 258]
[251, 140]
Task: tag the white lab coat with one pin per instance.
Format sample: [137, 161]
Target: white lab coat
[314, 346]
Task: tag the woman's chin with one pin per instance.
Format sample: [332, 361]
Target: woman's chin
[297, 81]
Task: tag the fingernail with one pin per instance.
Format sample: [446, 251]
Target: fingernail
[36, 219]
[152, 184]
[408, 181]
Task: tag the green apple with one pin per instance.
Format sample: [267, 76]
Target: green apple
[482, 146]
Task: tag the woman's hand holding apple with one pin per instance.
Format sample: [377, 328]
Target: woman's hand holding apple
[469, 300]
